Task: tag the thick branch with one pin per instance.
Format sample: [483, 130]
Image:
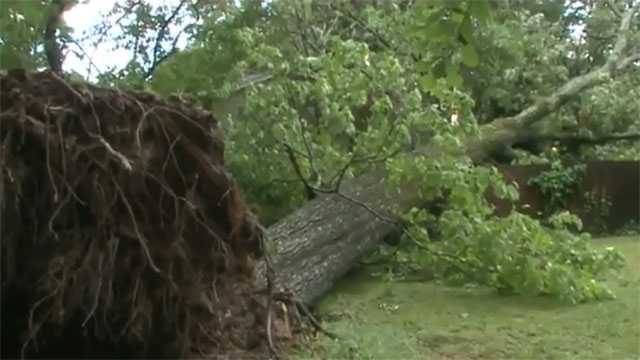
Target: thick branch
[51, 45]
[623, 35]
[576, 85]
[629, 60]
[499, 136]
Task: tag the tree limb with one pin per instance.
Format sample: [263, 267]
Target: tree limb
[310, 193]
[606, 72]
[156, 63]
[622, 43]
[499, 136]
[51, 45]
[162, 32]
[631, 59]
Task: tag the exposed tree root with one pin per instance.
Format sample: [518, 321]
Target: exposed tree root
[122, 233]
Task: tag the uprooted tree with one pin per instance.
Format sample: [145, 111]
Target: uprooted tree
[355, 114]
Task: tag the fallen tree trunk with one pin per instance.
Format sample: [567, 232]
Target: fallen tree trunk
[317, 244]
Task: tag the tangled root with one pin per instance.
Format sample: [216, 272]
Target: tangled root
[122, 233]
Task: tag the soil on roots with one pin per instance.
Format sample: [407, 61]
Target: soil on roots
[122, 234]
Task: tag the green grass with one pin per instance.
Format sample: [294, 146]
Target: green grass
[423, 320]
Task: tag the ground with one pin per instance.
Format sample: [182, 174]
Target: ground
[424, 320]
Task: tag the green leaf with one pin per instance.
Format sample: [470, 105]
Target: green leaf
[480, 9]
[512, 193]
[428, 82]
[442, 29]
[453, 76]
[466, 30]
[469, 56]
[552, 10]
[439, 69]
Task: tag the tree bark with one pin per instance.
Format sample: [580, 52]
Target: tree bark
[317, 244]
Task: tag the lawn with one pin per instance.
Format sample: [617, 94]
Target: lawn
[376, 319]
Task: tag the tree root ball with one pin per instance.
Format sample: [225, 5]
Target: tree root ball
[122, 233]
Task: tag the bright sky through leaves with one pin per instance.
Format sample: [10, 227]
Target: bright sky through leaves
[82, 18]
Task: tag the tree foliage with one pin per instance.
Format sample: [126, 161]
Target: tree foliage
[21, 26]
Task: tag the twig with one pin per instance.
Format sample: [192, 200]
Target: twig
[86, 54]
[107, 29]
[368, 208]
[307, 146]
[336, 180]
[386, 43]
[163, 29]
[375, 262]
[296, 168]
[302, 307]
[157, 58]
